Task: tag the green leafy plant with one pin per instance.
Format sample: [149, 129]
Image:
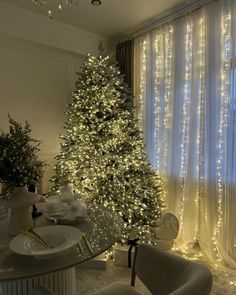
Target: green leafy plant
[19, 163]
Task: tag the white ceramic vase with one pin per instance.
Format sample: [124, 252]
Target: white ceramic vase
[20, 204]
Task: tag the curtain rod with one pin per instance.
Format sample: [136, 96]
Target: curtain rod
[169, 15]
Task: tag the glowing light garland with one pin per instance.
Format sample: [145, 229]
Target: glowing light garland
[168, 41]
[157, 97]
[163, 44]
[200, 140]
[185, 121]
[201, 112]
[220, 271]
[143, 86]
[223, 123]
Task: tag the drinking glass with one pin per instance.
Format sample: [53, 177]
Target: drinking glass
[55, 211]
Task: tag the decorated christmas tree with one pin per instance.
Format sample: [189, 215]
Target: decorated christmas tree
[103, 154]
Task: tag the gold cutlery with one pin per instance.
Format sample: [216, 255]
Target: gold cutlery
[80, 247]
[87, 243]
[31, 233]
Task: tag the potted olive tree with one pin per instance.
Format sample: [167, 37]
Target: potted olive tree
[19, 168]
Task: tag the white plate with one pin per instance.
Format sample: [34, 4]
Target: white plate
[61, 237]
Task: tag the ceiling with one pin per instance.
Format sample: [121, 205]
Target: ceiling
[113, 19]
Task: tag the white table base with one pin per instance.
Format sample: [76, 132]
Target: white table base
[61, 283]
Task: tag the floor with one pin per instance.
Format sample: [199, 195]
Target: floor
[90, 280]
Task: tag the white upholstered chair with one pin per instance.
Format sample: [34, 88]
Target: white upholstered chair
[163, 274]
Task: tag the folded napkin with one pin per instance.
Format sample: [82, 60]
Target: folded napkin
[77, 210]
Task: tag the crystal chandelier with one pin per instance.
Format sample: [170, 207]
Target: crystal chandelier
[49, 6]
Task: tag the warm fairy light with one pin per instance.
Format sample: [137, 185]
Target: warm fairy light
[143, 86]
[162, 50]
[222, 127]
[103, 155]
[188, 253]
[168, 43]
[158, 81]
[200, 169]
[201, 112]
[224, 272]
[185, 122]
[161, 64]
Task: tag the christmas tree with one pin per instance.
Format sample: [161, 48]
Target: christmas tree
[103, 154]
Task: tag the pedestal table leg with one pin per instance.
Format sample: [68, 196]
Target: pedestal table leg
[61, 283]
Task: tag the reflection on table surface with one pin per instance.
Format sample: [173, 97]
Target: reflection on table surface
[102, 229]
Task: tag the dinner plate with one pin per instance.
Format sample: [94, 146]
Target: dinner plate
[60, 237]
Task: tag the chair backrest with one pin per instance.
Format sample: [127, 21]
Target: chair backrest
[167, 274]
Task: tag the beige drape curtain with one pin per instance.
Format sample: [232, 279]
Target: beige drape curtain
[185, 98]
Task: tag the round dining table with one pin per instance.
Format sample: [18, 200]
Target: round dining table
[20, 273]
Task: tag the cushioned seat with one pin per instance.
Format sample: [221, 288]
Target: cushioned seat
[164, 274]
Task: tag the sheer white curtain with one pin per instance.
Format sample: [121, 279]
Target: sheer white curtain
[185, 88]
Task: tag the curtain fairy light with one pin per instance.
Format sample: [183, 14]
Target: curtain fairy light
[158, 56]
[162, 91]
[222, 127]
[202, 124]
[168, 42]
[193, 128]
[143, 86]
[185, 122]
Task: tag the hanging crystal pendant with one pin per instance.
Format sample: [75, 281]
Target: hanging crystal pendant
[47, 5]
[96, 2]
[60, 7]
[50, 13]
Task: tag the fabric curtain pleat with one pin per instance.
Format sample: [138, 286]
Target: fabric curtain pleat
[124, 56]
[185, 98]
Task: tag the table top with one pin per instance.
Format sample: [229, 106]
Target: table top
[103, 229]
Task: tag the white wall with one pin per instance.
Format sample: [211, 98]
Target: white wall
[36, 27]
[37, 75]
